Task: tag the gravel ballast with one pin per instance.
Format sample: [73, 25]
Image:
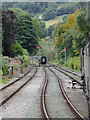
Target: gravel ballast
[55, 102]
[76, 95]
[26, 103]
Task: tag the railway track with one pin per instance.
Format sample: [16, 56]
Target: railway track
[11, 89]
[15, 80]
[46, 115]
[67, 70]
[44, 93]
[69, 73]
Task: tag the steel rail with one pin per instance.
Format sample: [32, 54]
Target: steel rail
[12, 94]
[68, 75]
[43, 97]
[67, 70]
[15, 81]
[67, 98]
[70, 71]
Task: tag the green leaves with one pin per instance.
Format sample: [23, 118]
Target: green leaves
[82, 21]
[18, 12]
[49, 14]
[37, 27]
[17, 49]
[9, 31]
[29, 37]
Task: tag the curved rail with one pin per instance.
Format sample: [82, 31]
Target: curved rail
[12, 94]
[68, 75]
[67, 70]
[43, 97]
[67, 98]
[15, 80]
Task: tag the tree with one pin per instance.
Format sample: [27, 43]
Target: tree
[9, 32]
[50, 13]
[37, 27]
[50, 29]
[28, 39]
[82, 20]
[18, 12]
[44, 29]
[80, 37]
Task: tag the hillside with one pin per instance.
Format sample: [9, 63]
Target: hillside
[54, 21]
[49, 10]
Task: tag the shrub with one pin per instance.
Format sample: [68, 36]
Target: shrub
[74, 63]
[5, 66]
[17, 49]
[24, 60]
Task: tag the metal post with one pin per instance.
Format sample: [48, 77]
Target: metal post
[89, 59]
[82, 59]
[65, 55]
[89, 76]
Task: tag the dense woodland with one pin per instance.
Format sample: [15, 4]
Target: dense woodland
[24, 29]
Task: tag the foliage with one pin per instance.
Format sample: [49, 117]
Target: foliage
[44, 29]
[72, 33]
[18, 50]
[45, 8]
[9, 32]
[50, 29]
[47, 51]
[49, 14]
[24, 60]
[28, 39]
[5, 67]
[43, 24]
[64, 18]
[25, 52]
[82, 21]
[74, 63]
[37, 27]
[18, 11]
[67, 9]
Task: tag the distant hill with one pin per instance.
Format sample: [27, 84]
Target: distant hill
[47, 10]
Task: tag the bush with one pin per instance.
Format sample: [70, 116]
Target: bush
[74, 63]
[18, 50]
[24, 60]
[62, 61]
[5, 67]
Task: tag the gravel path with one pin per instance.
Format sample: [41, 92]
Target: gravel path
[56, 104]
[76, 95]
[26, 103]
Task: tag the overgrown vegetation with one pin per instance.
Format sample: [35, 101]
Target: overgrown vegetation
[34, 24]
[24, 61]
